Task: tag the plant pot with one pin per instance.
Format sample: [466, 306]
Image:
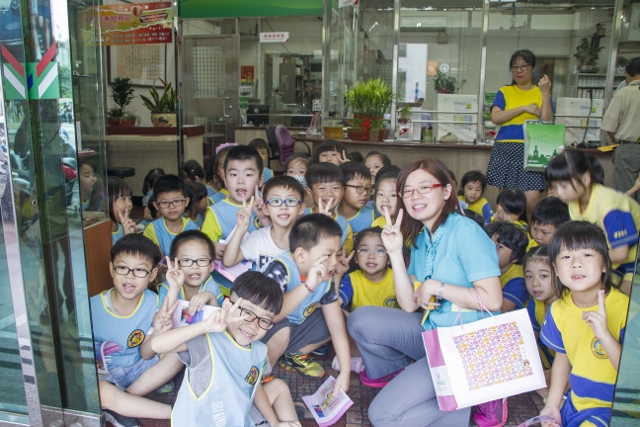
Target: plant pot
[121, 121]
[378, 134]
[164, 120]
[356, 134]
[589, 70]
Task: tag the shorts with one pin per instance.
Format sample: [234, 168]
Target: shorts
[622, 273]
[313, 330]
[571, 417]
[123, 376]
[506, 168]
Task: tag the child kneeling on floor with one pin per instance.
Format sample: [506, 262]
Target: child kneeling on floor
[225, 360]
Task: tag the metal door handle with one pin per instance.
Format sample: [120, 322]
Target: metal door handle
[224, 107]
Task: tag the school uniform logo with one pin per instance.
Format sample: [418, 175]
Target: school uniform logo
[597, 350]
[257, 223]
[135, 338]
[252, 376]
[310, 309]
[390, 302]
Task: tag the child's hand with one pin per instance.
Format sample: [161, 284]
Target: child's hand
[162, 320]
[198, 301]
[287, 424]
[316, 273]
[553, 412]
[391, 234]
[325, 209]
[128, 225]
[343, 262]
[344, 158]
[342, 382]
[259, 204]
[220, 319]
[243, 216]
[175, 276]
[597, 320]
[219, 249]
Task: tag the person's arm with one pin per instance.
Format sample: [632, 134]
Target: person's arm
[341, 269]
[340, 338]
[546, 113]
[612, 137]
[162, 322]
[636, 187]
[499, 116]
[620, 254]
[489, 291]
[597, 320]
[560, 371]
[232, 253]
[261, 401]
[175, 278]
[345, 292]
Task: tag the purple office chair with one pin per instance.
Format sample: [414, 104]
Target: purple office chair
[286, 143]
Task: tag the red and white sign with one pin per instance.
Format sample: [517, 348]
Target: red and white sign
[346, 3]
[276, 37]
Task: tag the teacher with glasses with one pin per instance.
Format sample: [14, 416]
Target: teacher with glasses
[515, 103]
[450, 255]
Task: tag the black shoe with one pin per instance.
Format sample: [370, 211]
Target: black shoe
[120, 420]
[322, 350]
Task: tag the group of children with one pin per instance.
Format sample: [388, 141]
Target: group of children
[312, 240]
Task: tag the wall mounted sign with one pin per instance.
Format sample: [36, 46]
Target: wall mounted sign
[277, 37]
[346, 3]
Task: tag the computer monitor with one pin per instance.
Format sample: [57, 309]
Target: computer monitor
[257, 114]
[301, 121]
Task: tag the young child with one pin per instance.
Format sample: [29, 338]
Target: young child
[192, 255]
[262, 147]
[511, 244]
[170, 199]
[546, 217]
[86, 182]
[225, 361]
[510, 206]
[119, 208]
[538, 278]
[305, 275]
[296, 167]
[355, 156]
[193, 171]
[472, 187]
[283, 197]
[585, 327]
[330, 151]
[357, 192]
[147, 190]
[325, 187]
[198, 201]
[386, 196]
[617, 214]
[215, 173]
[375, 161]
[124, 315]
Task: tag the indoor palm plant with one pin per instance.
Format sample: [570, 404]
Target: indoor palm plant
[122, 94]
[369, 101]
[446, 84]
[163, 107]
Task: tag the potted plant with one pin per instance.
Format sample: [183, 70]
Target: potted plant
[162, 107]
[587, 56]
[122, 94]
[404, 128]
[405, 112]
[369, 101]
[446, 84]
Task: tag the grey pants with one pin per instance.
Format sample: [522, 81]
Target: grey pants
[626, 166]
[389, 339]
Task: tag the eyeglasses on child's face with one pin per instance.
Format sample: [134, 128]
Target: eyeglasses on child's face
[166, 203]
[423, 189]
[121, 270]
[277, 202]
[249, 316]
[361, 190]
[375, 252]
[201, 262]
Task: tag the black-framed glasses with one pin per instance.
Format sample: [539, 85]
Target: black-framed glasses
[375, 252]
[277, 202]
[361, 190]
[140, 273]
[523, 67]
[166, 203]
[250, 316]
[201, 262]
[423, 189]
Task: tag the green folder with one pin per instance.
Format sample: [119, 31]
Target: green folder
[541, 143]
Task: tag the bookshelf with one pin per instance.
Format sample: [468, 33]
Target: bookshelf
[585, 82]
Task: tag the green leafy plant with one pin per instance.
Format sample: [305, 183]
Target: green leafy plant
[370, 99]
[446, 84]
[405, 113]
[159, 104]
[122, 94]
[586, 54]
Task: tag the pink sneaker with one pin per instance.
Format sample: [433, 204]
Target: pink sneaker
[491, 414]
[378, 382]
[357, 365]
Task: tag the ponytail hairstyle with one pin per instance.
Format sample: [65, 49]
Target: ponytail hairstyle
[192, 170]
[410, 227]
[150, 179]
[571, 165]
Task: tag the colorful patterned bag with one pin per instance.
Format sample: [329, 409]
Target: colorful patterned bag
[489, 359]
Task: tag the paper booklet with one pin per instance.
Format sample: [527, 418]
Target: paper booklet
[235, 270]
[325, 406]
[181, 316]
[103, 351]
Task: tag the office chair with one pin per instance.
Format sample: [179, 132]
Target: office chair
[286, 143]
[273, 144]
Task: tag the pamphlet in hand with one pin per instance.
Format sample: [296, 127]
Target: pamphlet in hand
[325, 406]
[235, 270]
[103, 351]
[181, 316]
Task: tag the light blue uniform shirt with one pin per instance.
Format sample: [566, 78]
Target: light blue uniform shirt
[209, 285]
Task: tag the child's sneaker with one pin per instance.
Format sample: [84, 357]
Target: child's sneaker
[120, 420]
[491, 414]
[167, 388]
[303, 364]
[357, 365]
[378, 382]
[322, 350]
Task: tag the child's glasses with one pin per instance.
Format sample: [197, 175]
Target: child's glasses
[276, 202]
[375, 252]
[250, 316]
[201, 262]
[121, 270]
[166, 203]
[423, 189]
[361, 190]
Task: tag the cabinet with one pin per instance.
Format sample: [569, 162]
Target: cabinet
[292, 83]
[594, 83]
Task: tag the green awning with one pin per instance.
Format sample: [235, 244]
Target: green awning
[206, 9]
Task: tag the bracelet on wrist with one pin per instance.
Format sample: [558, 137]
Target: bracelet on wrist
[440, 291]
[307, 287]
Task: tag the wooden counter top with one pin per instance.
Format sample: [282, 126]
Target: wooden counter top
[187, 130]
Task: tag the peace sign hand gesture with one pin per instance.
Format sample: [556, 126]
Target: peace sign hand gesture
[243, 216]
[316, 273]
[391, 234]
[343, 262]
[128, 225]
[175, 276]
[343, 158]
[163, 321]
[220, 319]
[325, 210]
[597, 320]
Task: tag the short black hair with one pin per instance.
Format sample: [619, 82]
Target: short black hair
[259, 143]
[550, 211]
[310, 229]
[473, 176]
[244, 152]
[189, 236]
[355, 170]
[453, 176]
[260, 290]
[152, 208]
[329, 145]
[116, 188]
[633, 67]
[371, 231]
[479, 219]
[322, 173]
[386, 161]
[150, 179]
[512, 200]
[168, 184]
[192, 170]
[196, 192]
[510, 235]
[387, 172]
[355, 156]
[283, 181]
[137, 245]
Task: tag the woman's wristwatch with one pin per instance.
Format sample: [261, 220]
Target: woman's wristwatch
[440, 291]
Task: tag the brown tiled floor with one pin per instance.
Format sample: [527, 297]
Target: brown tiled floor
[521, 407]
